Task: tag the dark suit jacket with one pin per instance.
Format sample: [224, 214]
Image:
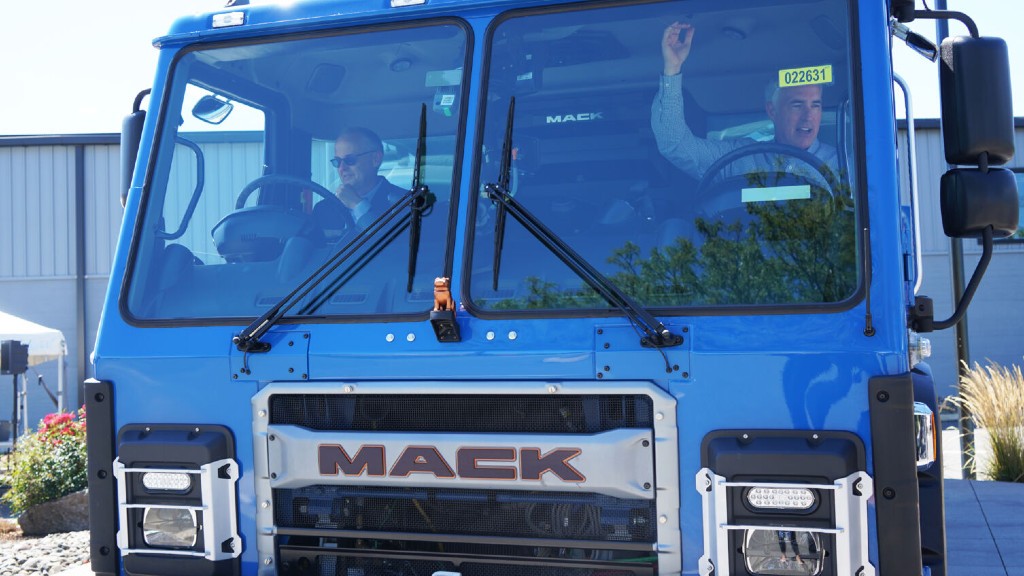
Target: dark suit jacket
[336, 220]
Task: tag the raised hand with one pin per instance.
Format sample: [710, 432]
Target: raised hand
[675, 46]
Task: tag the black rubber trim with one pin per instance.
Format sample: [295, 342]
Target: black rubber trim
[99, 405]
[929, 481]
[895, 471]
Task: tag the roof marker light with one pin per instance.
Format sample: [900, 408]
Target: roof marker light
[226, 19]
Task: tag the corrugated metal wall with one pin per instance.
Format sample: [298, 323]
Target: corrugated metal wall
[102, 207]
[54, 271]
[37, 221]
[931, 165]
[47, 277]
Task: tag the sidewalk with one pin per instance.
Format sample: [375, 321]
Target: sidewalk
[984, 519]
[984, 528]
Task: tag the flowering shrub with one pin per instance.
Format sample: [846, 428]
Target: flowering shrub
[50, 463]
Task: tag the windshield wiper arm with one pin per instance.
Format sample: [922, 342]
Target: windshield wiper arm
[350, 271]
[248, 340]
[656, 335]
[419, 200]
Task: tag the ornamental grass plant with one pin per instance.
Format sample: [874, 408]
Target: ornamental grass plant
[48, 464]
[994, 397]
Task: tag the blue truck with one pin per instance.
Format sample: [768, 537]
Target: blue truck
[430, 287]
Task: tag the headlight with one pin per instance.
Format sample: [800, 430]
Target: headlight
[170, 527]
[177, 494]
[782, 552]
[924, 435]
[784, 503]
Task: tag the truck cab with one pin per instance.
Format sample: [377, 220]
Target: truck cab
[541, 346]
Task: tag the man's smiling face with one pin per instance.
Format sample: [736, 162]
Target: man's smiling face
[796, 112]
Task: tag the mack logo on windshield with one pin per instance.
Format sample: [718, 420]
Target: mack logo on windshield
[497, 463]
[581, 117]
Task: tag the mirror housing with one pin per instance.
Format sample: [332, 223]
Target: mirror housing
[131, 137]
[974, 199]
[977, 107]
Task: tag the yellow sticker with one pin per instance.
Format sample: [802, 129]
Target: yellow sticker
[805, 76]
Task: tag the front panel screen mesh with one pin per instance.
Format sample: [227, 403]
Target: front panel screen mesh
[580, 414]
[575, 516]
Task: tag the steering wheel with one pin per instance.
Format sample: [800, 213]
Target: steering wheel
[295, 181]
[718, 197]
[713, 171]
[259, 233]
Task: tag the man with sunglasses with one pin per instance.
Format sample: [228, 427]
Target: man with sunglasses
[358, 154]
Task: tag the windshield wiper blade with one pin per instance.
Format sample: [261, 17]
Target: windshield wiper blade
[423, 200]
[656, 335]
[504, 179]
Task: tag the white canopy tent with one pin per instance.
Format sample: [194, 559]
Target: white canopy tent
[44, 344]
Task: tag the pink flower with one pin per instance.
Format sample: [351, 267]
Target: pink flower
[59, 426]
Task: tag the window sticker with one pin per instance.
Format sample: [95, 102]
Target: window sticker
[806, 76]
[774, 193]
[436, 78]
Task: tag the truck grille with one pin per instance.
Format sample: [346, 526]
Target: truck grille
[358, 530]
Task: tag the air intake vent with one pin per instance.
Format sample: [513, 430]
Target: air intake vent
[560, 414]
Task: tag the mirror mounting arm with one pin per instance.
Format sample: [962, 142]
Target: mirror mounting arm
[972, 28]
[921, 316]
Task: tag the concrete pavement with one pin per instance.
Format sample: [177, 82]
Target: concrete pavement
[984, 528]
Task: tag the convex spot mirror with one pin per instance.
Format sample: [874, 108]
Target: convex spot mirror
[974, 199]
[977, 108]
[212, 110]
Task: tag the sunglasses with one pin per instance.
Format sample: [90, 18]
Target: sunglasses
[349, 160]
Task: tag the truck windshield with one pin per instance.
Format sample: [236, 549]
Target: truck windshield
[272, 156]
[729, 184]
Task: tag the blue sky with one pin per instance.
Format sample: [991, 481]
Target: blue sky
[74, 67]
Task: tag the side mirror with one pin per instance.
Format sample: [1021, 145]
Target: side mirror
[972, 200]
[977, 107]
[977, 127]
[131, 137]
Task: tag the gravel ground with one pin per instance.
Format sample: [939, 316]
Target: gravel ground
[24, 556]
